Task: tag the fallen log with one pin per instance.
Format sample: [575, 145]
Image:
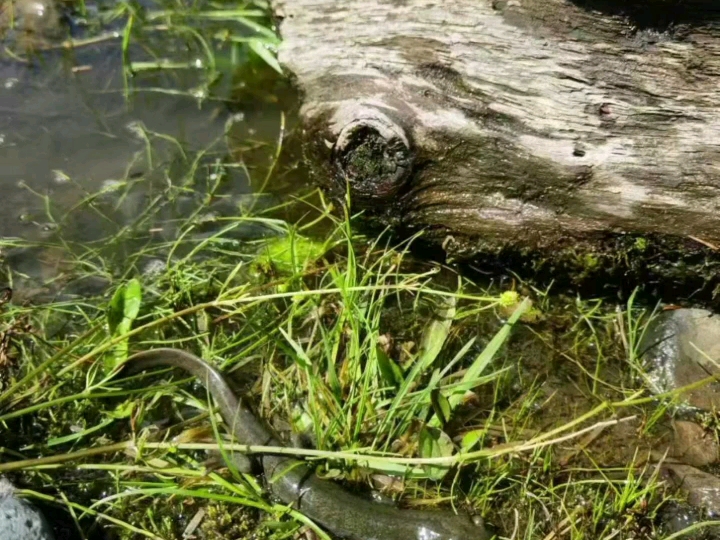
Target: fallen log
[576, 130]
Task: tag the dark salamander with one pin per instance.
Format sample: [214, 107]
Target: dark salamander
[344, 514]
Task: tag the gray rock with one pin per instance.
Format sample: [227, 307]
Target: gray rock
[683, 347]
[693, 445]
[19, 519]
[37, 21]
[675, 517]
[702, 489]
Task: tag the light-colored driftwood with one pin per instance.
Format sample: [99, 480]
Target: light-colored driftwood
[524, 122]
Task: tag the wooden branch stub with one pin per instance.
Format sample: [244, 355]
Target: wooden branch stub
[373, 154]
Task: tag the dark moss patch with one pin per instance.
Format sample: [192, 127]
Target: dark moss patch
[664, 268]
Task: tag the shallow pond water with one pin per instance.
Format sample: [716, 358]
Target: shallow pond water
[62, 132]
[77, 123]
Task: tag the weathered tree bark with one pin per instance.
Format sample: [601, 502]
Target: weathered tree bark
[537, 125]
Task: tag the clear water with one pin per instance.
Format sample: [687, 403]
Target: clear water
[72, 125]
[62, 133]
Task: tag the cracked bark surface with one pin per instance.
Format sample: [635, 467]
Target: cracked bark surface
[533, 125]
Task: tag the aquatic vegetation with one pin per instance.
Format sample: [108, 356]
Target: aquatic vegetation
[206, 38]
[399, 377]
[396, 375]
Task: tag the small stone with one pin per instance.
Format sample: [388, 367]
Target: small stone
[682, 347]
[702, 489]
[19, 519]
[693, 445]
[87, 286]
[675, 516]
[37, 22]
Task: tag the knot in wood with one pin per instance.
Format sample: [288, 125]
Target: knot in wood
[373, 155]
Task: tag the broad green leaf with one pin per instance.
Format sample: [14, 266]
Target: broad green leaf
[470, 439]
[441, 406]
[292, 253]
[133, 299]
[436, 333]
[432, 342]
[116, 309]
[123, 310]
[435, 443]
[390, 371]
[124, 307]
